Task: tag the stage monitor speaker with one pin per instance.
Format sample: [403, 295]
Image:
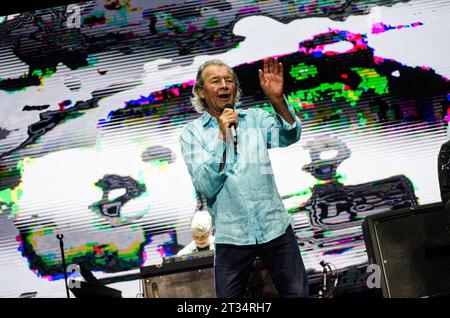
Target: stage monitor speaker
[412, 249]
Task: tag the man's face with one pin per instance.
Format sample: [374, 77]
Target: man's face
[219, 88]
[201, 238]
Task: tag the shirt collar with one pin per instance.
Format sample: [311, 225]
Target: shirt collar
[206, 117]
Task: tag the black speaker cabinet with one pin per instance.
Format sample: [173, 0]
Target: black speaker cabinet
[412, 249]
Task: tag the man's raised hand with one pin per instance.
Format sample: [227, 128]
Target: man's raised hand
[271, 79]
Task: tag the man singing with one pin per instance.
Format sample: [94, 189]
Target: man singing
[235, 175]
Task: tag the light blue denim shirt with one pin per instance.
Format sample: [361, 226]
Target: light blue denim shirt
[243, 199]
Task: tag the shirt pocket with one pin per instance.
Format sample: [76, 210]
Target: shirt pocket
[209, 137]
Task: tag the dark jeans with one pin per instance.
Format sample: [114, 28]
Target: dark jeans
[281, 256]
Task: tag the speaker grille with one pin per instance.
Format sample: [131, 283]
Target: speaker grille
[415, 253]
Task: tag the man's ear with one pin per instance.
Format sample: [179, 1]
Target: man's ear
[201, 93]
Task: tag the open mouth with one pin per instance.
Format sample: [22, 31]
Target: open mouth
[224, 96]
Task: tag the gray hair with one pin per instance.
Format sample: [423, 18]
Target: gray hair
[199, 104]
[201, 222]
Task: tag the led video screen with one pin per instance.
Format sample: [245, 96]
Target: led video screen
[94, 97]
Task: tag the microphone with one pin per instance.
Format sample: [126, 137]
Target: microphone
[233, 126]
